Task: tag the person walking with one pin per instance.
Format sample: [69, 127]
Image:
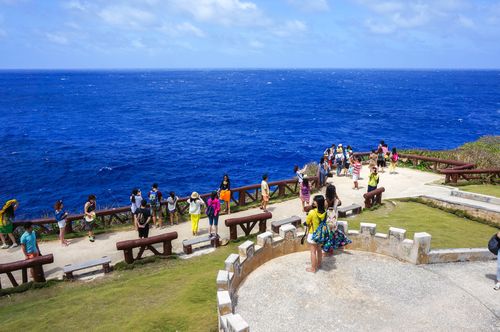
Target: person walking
[29, 244]
[195, 204]
[89, 216]
[322, 171]
[494, 246]
[212, 212]
[264, 189]
[135, 203]
[347, 159]
[299, 173]
[356, 172]
[305, 193]
[155, 196]
[225, 192]
[339, 159]
[172, 208]
[332, 200]
[313, 220]
[393, 161]
[380, 160]
[6, 220]
[143, 219]
[60, 215]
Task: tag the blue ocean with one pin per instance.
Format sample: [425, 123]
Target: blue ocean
[66, 134]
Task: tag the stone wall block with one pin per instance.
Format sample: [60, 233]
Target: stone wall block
[265, 239]
[232, 263]
[367, 228]
[246, 249]
[223, 280]
[236, 323]
[343, 225]
[288, 232]
[224, 303]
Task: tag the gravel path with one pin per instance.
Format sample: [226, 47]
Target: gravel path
[362, 291]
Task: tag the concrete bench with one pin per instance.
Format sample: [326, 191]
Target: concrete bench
[187, 245]
[103, 261]
[353, 208]
[294, 220]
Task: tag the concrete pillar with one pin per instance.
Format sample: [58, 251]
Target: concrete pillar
[223, 280]
[246, 249]
[288, 232]
[265, 239]
[236, 323]
[224, 303]
[232, 263]
[367, 228]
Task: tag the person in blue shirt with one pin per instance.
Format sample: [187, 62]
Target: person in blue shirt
[29, 244]
[60, 214]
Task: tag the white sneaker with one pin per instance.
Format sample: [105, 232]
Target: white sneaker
[4, 246]
[497, 286]
[13, 245]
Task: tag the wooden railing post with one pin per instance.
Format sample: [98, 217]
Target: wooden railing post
[241, 197]
[281, 190]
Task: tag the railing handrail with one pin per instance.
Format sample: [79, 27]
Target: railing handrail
[26, 263]
[433, 159]
[470, 171]
[125, 209]
[374, 192]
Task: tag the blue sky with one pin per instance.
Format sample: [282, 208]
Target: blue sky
[249, 33]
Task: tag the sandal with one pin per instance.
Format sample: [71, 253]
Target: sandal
[497, 286]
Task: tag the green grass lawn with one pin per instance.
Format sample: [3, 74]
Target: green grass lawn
[447, 230]
[485, 189]
[169, 295]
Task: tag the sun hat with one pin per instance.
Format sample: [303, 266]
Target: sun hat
[195, 195]
[340, 144]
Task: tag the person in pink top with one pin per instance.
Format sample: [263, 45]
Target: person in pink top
[213, 210]
[356, 171]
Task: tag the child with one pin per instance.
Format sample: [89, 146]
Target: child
[60, 216]
[29, 244]
[356, 172]
[172, 208]
[264, 188]
[213, 210]
[143, 218]
[89, 216]
[155, 197]
[305, 193]
[373, 179]
[6, 219]
[394, 161]
[195, 203]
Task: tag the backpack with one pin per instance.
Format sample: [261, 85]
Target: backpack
[153, 198]
[210, 212]
[494, 244]
[322, 233]
[395, 157]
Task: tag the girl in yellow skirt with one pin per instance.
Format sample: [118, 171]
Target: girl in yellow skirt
[195, 203]
[225, 192]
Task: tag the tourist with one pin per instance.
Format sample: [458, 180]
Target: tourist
[155, 196]
[264, 189]
[60, 215]
[212, 212]
[380, 160]
[347, 159]
[337, 238]
[135, 203]
[29, 244]
[322, 171]
[195, 203]
[299, 173]
[305, 193]
[225, 192]
[394, 161]
[373, 159]
[339, 159]
[373, 179]
[332, 199]
[356, 171]
[172, 208]
[494, 246]
[313, 220]
[6, 220]
[329, 156]
[89, 216]
[143, 217]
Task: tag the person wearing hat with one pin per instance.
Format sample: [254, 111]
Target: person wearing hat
[195, 203]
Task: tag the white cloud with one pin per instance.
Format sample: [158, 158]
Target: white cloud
[290, 28]
[57, 38]
[126, 16]
[224, 12]
[181, 29]
[311, 5]
[137, 43]
[75, 5]
[255, 44]
[466, 22]
[379, 28]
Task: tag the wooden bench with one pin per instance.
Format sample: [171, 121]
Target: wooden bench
[374, 197]
[70, 268]
[353, 208]
[35, 263]
[247, 224]
[128, 245]
[294, 220]
[187, 245]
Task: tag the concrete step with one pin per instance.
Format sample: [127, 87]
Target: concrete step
[471, 203]
[475, 197]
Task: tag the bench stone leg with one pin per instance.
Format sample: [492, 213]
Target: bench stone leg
[187, 249]
[106, 267]
[69, 275]
[215, 242]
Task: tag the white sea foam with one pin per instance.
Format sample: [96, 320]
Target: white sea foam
[105, 169]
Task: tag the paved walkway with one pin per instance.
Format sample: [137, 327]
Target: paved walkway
[359, 291]
[404, 184]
